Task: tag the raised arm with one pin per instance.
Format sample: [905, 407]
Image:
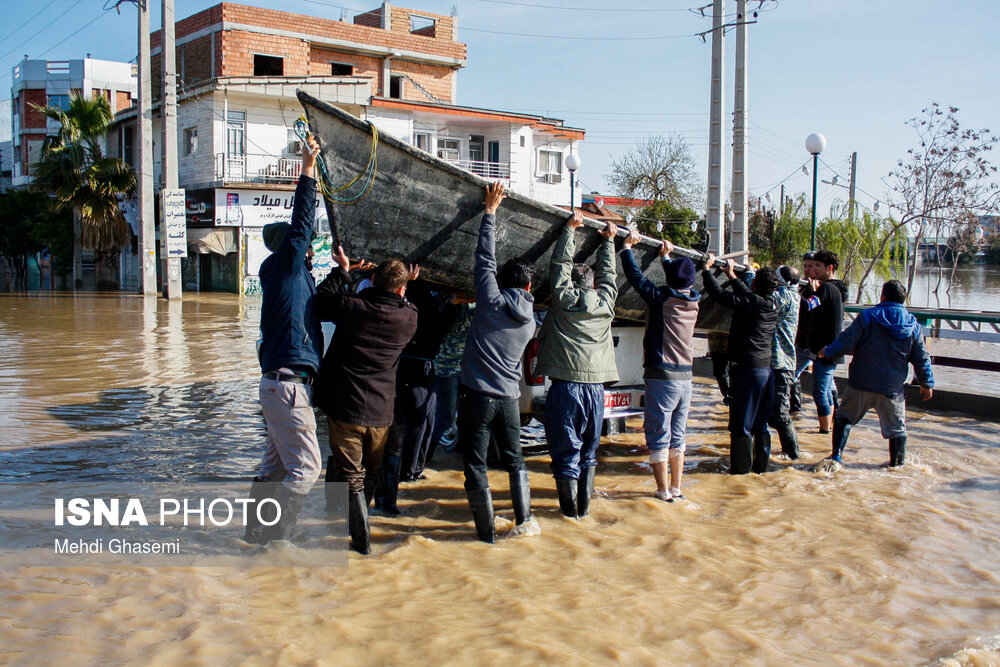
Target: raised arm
[633, 274]
[485, 275]
[604, 273]
[293, 251]
[561, 267]
[329, 298]
[740, 299]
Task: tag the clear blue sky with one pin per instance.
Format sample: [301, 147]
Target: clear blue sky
[854, 70]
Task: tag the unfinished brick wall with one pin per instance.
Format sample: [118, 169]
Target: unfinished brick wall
[123, 100]
[194, 60]
[434, 80]
[31, 117]
[239, 47]
[320, 59]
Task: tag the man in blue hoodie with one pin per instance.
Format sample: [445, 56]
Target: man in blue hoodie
[489, 382]
[290, 352]
[667, 361]
[883, 340]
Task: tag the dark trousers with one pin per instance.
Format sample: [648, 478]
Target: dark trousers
[480, 416]
[781, 417]
[417, 405]
[445, 420]
[750, 405]
[574, 413]
[720, 369]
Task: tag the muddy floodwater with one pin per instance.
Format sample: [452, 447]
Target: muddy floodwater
[868, 566]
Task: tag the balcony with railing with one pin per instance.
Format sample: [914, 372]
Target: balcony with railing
[483, 168]
[253, 168]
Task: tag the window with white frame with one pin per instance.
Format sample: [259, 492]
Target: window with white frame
[550, 166]
[294, 146]
[422, 140]
[190, 141]
[448, 149]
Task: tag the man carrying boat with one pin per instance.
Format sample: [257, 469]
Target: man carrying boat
[884, 340]
[358, 381]
[750, 341]
[577, 353]
[290, 351]
[667, 359]
[489, 383]
[783, 359]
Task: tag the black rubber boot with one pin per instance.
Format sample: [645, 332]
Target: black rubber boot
[290, 504]
[789, 439]
[841, 431]
[357, 522]
[740, 455]
[481, 504]
[259, 490]
[761, 452]
[520, 496]
[585, 490]
[388, 489]
[567, 489]
[897, 451]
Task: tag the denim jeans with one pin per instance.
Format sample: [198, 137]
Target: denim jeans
[574, 413]
[823, 370]
[446, 421]
[667, 404]
[750, 407]
[480, 416]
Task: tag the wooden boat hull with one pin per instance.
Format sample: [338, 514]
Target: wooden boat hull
[424, 210]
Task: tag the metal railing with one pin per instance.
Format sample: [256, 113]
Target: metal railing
[254, 168]
[485, 169]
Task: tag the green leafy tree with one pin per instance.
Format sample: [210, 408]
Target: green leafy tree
[74, 169]
[779, 236]
[31, 226]
[681, 226]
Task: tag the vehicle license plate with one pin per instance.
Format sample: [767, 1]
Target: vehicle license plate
[618, 400]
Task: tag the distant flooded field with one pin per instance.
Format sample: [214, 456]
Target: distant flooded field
[869, 566]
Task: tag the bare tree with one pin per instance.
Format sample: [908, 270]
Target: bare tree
[658, 168]
[946, 176]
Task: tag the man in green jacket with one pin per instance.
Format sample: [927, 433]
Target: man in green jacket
[576, 352]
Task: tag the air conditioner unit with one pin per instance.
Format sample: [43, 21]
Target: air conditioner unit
[294, 147]
[553, 178]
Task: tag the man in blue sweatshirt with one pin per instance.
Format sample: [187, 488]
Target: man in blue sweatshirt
[489, 382]
[883, 339]
[290, 352]
[667, 361]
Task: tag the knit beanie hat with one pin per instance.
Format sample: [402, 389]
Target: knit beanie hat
[680, 273]
[274, 235]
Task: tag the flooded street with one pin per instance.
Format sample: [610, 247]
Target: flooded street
[868, 566]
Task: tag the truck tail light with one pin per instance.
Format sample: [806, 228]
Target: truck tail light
[530, 361]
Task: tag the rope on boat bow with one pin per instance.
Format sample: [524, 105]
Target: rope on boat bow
[367, 175]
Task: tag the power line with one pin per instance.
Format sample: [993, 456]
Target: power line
[44, 28]
[36, 15]
[588, 38]
[582, 9]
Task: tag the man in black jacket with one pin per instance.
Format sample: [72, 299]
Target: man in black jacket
[823, 300]
[502, 325]
[358, 380]
[291, 346]
[755, 314]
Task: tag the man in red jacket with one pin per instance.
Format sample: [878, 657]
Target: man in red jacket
[358, 377]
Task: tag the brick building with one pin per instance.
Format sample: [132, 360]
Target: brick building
[239, 68]
[49, 83]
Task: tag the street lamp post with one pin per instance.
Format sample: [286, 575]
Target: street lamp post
[815, 143]
[572, 164]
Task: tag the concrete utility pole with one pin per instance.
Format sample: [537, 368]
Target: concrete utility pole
[713, 216]
[168, 116]
[851, 189]
[739, 233]
[145, 163]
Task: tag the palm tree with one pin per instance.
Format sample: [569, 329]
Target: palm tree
[73, 168]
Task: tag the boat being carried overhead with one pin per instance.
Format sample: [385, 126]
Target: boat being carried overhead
[397, 201]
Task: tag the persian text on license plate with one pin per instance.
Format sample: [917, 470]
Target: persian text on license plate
[619, 400]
